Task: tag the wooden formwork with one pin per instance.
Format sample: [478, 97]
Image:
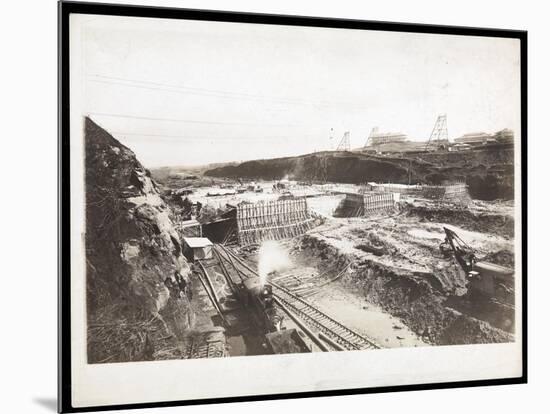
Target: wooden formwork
[456, 191]
[453, 191]
[378, 202]
[272, 220]
[365, 204]
[433, 192]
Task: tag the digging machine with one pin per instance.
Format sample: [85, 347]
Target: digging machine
[488, 279]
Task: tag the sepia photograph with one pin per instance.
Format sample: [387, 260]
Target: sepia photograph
[259, 190]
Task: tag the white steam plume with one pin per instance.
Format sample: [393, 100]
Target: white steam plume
[271, 257]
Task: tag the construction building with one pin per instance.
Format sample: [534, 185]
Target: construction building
[475, 138]
[388, 142]
[379, 138]
[504, 136]
[197, 248]
[397, 142]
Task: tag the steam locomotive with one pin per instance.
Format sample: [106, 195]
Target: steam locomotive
[268, 319]
[259, 299]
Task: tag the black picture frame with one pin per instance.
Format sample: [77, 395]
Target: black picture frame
[65, 8]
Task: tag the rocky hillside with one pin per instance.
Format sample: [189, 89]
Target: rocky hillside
[489, 172]
[131, 248]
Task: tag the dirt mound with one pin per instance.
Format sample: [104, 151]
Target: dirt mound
[469, 219]
[421, 307]
[131, 248]
[502, 257]
[463, 329]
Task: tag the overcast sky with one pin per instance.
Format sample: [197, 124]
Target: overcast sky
[187, 93]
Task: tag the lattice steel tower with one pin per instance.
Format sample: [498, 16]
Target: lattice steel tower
[372, 132]
[344, 144]
[439, 133]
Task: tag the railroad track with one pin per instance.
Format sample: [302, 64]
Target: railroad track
[310, 314]
[204, 349]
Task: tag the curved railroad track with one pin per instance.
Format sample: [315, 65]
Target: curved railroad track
[310, 314]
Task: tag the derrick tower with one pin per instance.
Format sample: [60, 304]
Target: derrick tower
[439, 134]
[344, 144]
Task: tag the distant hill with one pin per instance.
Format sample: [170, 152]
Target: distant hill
[488, 171]
[198, 169]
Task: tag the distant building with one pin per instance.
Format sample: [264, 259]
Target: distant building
[474, 138]
[436, 144]
[460, 147]
[379, 138]
[504, 135]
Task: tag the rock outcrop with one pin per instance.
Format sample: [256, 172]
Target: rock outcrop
[132, 247]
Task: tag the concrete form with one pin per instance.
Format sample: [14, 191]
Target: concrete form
[376, 198]
[272, 220]
[357, 205]
[474, 138]
[448, 192]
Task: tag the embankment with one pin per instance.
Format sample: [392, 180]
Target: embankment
[488, 172]
[418, 302]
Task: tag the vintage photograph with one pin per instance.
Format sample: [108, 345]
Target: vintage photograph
[255, 189]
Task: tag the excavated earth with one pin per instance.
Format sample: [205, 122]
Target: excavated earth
[476, 216]
[393, 263]
[396, 264]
